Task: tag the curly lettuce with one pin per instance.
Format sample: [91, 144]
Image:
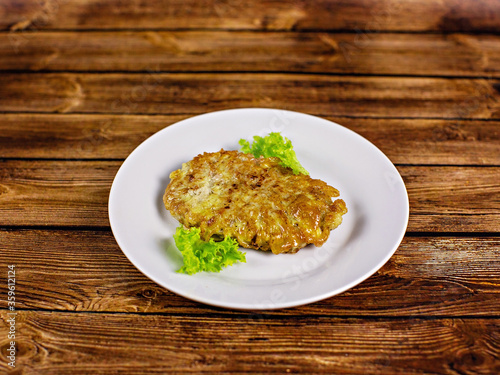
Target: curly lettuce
[199, 255]
[276, 145]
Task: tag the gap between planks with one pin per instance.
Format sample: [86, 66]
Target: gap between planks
[264, 314]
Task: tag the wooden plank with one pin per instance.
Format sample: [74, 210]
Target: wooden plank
[420, 141]
[86, 271]
[68, 343]
[202, 51]
[433, 208]
[452, 199]
[77, 136]
[415, 141]
[198, 93]
[55, 193]
[358, 15]
[432, 189]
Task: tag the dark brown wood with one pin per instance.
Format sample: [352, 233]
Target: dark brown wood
[415, 141]
[432, 204]
[419, 141]
[432, 189]
[202, 51]
[86, 271]
[358, 15]
[69, 343]
[55, 193]
[148, 93]
[77, 136]
[450, 199]
[83, 82]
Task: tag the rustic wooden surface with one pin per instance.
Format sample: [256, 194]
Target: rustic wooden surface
[83, 82]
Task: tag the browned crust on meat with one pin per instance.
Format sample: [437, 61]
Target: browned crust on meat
[260, 203]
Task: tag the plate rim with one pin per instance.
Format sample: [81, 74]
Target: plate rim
[250, 306]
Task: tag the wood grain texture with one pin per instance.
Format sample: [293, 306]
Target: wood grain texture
[68, 343]
[414, 141]
[358, 15]
[431, 189]
[77, 136]
[76, 193]
[432, 206]
[203, 51]
[55, 193]
[198, 93]
[83, 82]
[86, 271]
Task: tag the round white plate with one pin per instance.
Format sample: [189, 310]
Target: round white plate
[369, 183]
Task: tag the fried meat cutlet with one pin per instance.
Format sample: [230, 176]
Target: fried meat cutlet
[260, 203]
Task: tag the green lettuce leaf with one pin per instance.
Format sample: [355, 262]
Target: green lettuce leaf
[274, 144]
[208, 256]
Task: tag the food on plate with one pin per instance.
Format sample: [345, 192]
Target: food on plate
[261, 198]
[257, 201]
[276, 145]
[207, 256]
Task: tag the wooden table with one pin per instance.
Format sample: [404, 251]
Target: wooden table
[83, 82]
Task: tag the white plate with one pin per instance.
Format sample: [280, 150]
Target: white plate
[369, 183]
